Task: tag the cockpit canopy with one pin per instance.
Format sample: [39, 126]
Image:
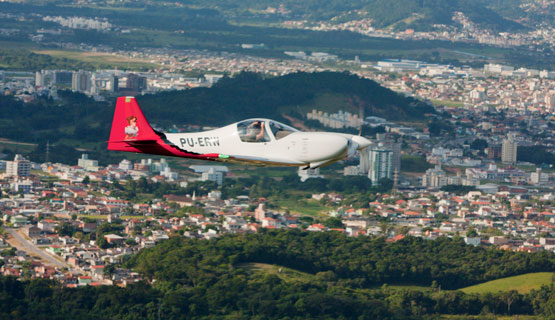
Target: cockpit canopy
[263, 130]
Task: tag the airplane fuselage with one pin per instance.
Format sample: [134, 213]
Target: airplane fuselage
[296, 149]
[254, 141]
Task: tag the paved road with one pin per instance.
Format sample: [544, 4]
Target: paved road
[30, 248]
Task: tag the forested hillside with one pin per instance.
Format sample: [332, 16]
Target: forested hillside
[249, 95]
[382, 12]
[200, 279]
[359, 262]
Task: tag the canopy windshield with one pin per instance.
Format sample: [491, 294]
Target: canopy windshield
[257, 130]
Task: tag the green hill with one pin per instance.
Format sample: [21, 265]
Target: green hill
[360, 261]
[382, 12]
[324, 275]
[522, 283]
[185, 14]
[250, 95]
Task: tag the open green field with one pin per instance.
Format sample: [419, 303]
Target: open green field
[104, 217]
[448, 103]
[286, 274]
[522, 283]
[301, 207]
[17, 147]
[414, 164]
[487, 316]
[101, 59]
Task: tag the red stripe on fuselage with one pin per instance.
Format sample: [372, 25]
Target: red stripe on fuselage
[158, 148]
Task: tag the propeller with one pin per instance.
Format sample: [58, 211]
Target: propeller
[359, 143]
[363, 145]
[361, 116]
[364, 161]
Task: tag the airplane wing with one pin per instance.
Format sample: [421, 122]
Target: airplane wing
[261, 161]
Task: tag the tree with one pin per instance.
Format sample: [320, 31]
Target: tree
[109, 269]
[333, 222]
[434, 128]
[65, 229]
[79, 235]
[102, 243]
[385, 184]
[404, 230]
[479, 144]
[509, 298]
[471, 233]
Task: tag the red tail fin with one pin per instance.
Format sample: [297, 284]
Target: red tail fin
[129, 126]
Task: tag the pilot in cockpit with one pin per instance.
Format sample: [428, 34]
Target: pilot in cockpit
[255, 131]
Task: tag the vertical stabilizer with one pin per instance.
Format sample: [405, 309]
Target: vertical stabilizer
[129, 126]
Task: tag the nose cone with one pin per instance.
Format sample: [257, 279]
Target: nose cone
[323, 146]
[362, 142]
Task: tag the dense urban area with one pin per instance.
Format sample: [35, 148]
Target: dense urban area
[468, 184]
[75, 219]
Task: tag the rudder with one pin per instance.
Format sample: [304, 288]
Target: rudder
[129, 126]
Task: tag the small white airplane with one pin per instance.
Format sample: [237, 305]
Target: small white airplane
[253, 141]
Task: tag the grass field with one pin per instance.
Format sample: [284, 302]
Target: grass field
[488, 316]
[302, 207]
[18, 147]
[286, 274]
[448, 103]
[104, 217]
[101, 59]
[522, 283]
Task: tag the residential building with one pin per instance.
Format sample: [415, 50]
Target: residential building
[213, 175]
[434, 178]
[19, 167]
[509, 148]
[81, 81]
[381, 165]
[87, 164]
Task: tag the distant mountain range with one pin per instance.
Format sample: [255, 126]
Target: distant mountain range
[506, 15]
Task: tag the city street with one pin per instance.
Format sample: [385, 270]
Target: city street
[18, 240]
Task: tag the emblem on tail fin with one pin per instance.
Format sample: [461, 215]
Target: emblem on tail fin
[132, 130]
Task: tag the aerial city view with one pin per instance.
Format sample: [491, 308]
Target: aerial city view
[284, 159]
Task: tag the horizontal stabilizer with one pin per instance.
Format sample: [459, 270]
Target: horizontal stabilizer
[135, 142]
